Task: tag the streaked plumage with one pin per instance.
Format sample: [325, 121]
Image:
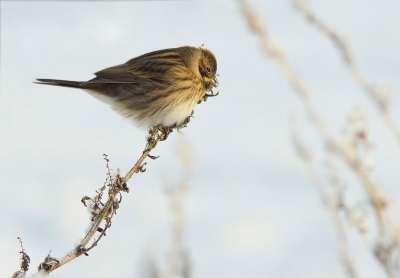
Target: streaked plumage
[157, 88]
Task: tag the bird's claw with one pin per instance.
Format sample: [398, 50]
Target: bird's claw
[166, 131]
[206, 96]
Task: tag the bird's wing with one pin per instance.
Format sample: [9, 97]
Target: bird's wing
[148, 67]
[116, 74]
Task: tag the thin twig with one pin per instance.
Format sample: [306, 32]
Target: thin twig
[107, 211]
[25, 260]
[332, 203]
[152, 141]
[342, 149]
[379, 94]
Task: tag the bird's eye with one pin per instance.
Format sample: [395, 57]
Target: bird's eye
[208, 69]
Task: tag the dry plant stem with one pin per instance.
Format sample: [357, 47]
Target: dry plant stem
[156, 134]
[80, 250]
[51, 264]
[273, 50]
[25, 260]
[332, 143]
[375, 194]
[179, 265]
[379, 95]
[152, 143]
[338, 225]
[333, 205]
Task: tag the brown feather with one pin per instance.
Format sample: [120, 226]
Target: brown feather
[160, 87]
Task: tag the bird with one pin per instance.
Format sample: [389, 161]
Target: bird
[159, 88]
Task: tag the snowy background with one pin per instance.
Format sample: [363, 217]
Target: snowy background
[252, 211]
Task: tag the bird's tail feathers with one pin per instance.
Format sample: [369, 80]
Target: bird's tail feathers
[62, 83]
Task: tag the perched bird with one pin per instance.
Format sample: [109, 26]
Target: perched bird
[159, 88]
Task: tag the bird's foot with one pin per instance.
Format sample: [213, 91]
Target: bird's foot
[206, 96]
[166, 131]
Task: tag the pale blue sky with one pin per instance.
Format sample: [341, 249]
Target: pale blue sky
[252, 210]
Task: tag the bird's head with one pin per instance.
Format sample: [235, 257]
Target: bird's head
[208, 68]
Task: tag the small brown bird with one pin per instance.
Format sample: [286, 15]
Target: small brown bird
[157, 88]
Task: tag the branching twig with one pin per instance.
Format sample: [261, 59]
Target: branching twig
[343, 149]
[155, 136]
[381, 95]
[105, 211]
[333, 202]
[25, 260]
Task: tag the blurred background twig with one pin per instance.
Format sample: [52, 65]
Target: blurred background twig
[353, 150]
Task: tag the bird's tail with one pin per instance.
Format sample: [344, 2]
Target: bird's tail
[62, 83]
